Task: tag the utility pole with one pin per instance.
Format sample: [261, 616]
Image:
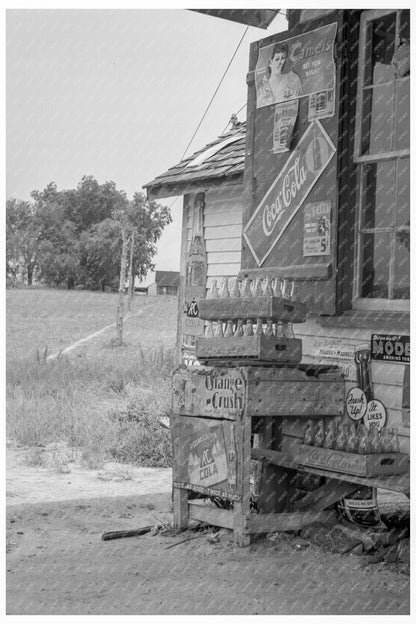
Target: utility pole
[120, 307]
[131, 276]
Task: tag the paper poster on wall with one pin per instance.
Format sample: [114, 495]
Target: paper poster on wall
[317, 229]
[289, 190]
[297, 66]
[338, 351]
[321, 105]
[285, 115]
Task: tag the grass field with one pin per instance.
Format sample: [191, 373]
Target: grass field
[103, 399]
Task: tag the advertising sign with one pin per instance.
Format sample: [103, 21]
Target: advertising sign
[296, 67]
[390, 348]
[321, 105]
[206, 456]
[317, 229]
[285, 116]
[288, 192]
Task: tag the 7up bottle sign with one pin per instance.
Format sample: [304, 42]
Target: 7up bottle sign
[288, 191]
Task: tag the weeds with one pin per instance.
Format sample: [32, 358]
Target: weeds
[108, 406]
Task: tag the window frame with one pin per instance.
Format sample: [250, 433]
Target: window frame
[358, 302]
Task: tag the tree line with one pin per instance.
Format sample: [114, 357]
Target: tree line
[75, 237]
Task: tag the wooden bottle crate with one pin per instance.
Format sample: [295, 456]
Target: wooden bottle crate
[234, 308]
[260, 347]
[371, 465]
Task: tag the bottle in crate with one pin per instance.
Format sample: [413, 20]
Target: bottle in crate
[341, 439]
[362, 439]
[309, 432]
[394, 441]
[319, 436]
[329, 439]
[373, 439]
[351, 443]
[385, 441]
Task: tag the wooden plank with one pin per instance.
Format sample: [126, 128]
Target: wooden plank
[180, 508]
[224, 232]
[324, 496]
[225, 218]
[300, 272]
[224, 257]
[265, 307]
[223, 270]
[211, 515]
[227, 244]
[173, 189]
[243, 451]
[291, 521]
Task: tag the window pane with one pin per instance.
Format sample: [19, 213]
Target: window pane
[401, 282]
[380, 41]
[376, 263]
[402, 118]
[403, 192]
[378, 194]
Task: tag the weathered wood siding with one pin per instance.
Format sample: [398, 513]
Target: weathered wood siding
[222, 232]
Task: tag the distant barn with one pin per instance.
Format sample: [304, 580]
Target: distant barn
[166, 283]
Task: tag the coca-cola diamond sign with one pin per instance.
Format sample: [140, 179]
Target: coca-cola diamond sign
[288, 192]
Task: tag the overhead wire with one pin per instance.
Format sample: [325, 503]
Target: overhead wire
[215, 92]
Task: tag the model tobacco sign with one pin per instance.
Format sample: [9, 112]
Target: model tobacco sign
[288, 192]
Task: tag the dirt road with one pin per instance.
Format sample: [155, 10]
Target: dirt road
[58, 564]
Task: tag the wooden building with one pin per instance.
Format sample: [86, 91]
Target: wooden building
[325, 197]
[166, 283]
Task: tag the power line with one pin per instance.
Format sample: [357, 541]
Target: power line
[215, 92]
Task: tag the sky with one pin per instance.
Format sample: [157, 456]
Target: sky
[118, 94]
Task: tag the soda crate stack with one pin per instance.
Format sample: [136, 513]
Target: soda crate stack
[251, 321]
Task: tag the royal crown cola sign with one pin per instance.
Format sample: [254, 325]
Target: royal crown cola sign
[288, 191]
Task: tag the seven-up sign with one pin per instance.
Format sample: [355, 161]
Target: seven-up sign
[288, 192]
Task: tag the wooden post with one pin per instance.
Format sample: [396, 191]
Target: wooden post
[242, 508]
[131, 276]
[120, 307]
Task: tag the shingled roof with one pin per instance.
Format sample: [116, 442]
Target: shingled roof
[219, 160]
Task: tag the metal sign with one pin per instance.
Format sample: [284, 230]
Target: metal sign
[288, 192]
[356, 403]
[390, 348]
[296, 67]
[317, 229]
[376, 413]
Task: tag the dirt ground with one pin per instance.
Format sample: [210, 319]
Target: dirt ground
[57, 562]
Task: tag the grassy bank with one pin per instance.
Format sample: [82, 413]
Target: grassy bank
[102, 399]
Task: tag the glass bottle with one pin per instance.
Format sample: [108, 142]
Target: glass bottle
[309, 432]
[385, 441]
[362, 439]
[269, 327]
[235, 291]
[394, 441]
[240, 328]
[229, 329]
[329, 439]
[268, 292]
[218, 333]
[259, 327]
[279, 330]
[373, 439]
[277, 288]
[213, 291]
[257, 291]
[249, 327]
[320, 434]
[341, 439]
[351, 443]
[246, 290]
[224, 292]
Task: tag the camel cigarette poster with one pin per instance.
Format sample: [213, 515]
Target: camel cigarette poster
[317, 229]
[297, 66]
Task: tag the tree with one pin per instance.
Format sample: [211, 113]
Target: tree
[22, 238]
[100, 253]
[148, 220]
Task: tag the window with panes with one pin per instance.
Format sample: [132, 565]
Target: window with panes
[382, 154]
